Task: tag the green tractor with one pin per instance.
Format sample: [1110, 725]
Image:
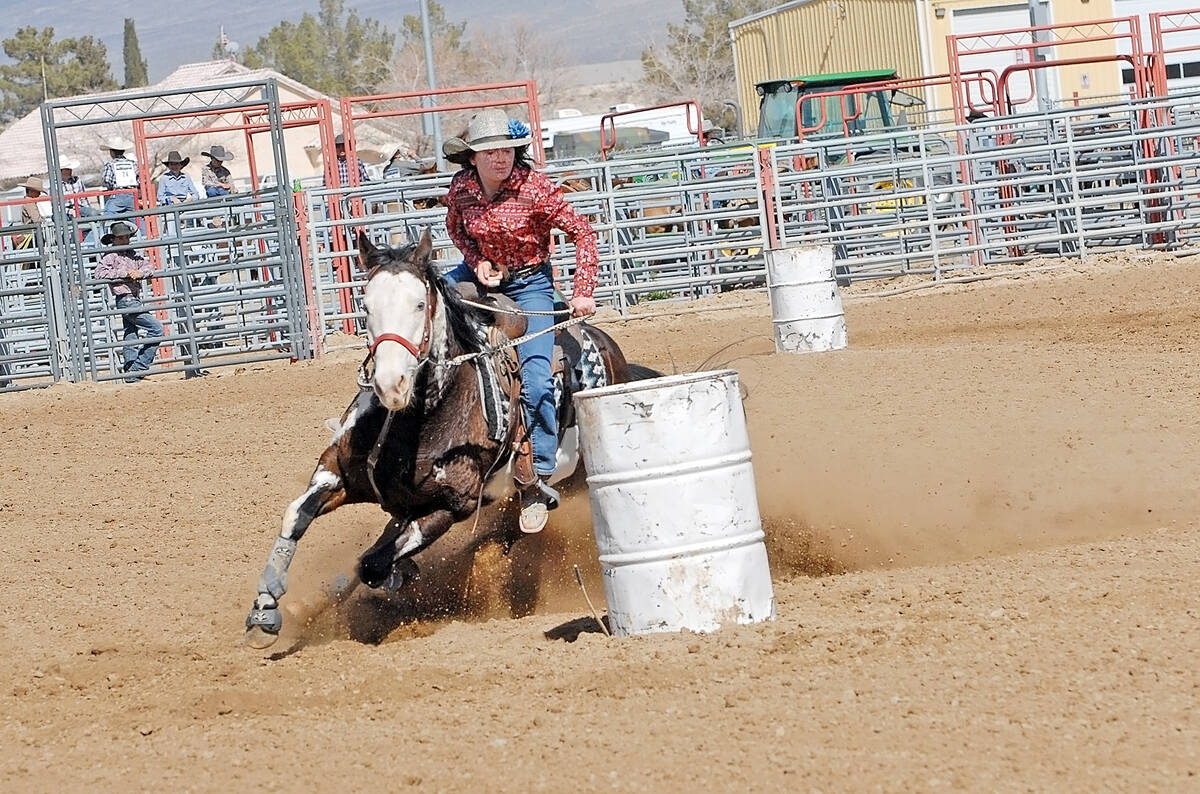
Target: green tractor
[777, 106]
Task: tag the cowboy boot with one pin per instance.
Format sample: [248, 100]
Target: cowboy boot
[537, 500]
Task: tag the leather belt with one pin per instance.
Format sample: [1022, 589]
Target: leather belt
[523, 272]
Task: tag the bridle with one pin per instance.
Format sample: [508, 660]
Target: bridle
[420, 353]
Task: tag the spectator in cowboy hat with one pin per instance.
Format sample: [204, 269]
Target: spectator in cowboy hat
[31, 209]
[215, 178]
[71, 185]
[401, 163]
[176, 187]
[339, 145]
[124, 269]
[120, 174]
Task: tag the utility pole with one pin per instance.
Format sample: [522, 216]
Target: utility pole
[430, 120]
[1039, 15]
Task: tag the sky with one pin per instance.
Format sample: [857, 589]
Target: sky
[172, 32]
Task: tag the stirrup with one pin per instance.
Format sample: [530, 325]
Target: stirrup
[549, 496]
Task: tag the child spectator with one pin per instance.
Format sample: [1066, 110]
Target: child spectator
[176, 187]
[215, 177]
[124, 270]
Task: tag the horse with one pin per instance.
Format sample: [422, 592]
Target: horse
[417, 439]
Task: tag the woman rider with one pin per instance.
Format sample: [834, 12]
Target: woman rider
[500, 214]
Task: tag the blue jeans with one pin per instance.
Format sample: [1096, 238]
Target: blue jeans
[211, 191]
[532, 293]
[86, 211]
[118, 203]
[135, 318]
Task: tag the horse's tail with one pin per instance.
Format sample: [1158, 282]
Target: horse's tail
[639, 372]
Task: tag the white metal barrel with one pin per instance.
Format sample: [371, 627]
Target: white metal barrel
[805, 303]
[673, 504]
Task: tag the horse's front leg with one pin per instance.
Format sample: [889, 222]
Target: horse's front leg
[326, 491]
[399, 542]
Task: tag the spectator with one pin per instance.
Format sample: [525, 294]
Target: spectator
[401, 164]
[339, 145]
[124, 269]
[176, 187]
[215, 177]
[31, 210]
[72, 185]
[120, 173]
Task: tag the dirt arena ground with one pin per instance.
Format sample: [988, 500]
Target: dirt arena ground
[984, 527]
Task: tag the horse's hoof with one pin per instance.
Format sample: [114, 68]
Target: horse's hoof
[259, 639]
[402, 572]
[268, 620]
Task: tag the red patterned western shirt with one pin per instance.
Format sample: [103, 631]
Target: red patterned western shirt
[513, 229]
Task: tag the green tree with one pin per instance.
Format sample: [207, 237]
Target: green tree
[136, 74]
[448, 34]
[697, 60]
[335, 52]
[43, 68]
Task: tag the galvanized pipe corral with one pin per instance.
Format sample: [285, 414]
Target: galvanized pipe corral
[805, 303]
[673, 504]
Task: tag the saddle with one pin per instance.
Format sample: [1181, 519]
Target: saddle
[575, 364]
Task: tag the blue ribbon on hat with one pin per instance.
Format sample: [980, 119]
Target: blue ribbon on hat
[517, 129]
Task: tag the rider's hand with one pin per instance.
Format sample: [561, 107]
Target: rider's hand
[582, 306]
[487, 274]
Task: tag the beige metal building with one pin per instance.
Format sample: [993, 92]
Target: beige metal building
[822, 36]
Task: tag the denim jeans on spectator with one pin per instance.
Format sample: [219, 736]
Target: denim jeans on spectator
[118, 203]
[532, 293]
[134, 318]
[87, 211]
[211, 191]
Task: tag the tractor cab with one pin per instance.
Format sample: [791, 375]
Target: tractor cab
[834, 116]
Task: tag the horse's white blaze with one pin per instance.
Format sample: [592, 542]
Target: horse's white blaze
[395, 304]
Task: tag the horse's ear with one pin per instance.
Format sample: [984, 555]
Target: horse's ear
[424, 247]
[365, 249]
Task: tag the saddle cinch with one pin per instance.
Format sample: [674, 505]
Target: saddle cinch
[571, 344]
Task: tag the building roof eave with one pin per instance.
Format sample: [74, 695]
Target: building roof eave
[769, 12]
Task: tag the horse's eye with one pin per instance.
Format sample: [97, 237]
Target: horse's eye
[421, 305]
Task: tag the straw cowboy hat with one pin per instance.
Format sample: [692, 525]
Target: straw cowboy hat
[490, 128]
[33, 183]
[68, 163]
[219, 152]
[174, 157]
[115, 143]
[119, 228]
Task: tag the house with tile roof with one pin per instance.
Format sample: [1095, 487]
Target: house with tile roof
[22, 145]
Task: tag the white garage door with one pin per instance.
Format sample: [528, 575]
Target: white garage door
[967, 21]
[1183, 68]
